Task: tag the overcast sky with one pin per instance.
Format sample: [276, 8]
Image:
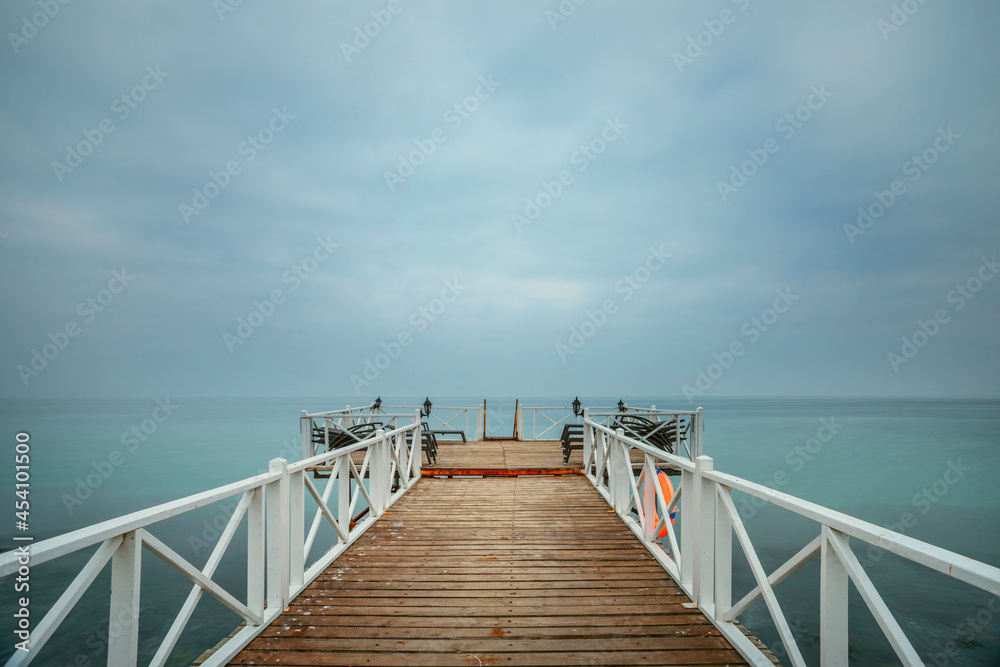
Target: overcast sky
[527, 198]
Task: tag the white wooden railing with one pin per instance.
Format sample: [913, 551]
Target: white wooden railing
[278, 565]
[699, 555]
[334, 421]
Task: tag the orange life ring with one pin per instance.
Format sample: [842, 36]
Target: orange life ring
[668, 492]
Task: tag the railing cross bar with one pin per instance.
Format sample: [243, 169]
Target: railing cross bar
[57, 614]
[784, 631]
[174, 560]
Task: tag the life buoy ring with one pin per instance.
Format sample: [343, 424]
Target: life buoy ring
[668, 492]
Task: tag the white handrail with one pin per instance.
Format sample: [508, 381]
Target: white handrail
[272, 505]
[700, 558]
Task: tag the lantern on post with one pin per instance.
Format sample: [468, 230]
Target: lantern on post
[427, 408]
[576, 406]
[378, 403]
[621, 405]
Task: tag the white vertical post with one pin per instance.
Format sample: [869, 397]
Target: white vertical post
[599, 449]
[704, 541]
[833, 610]
[256, 553]
[687, 530]
[723, 556]
[344, 494]
[296, 528]
[697, 434]
[480, 424]
[588, 441]
[650, 480]
[520, 422]
[126, 572]
[305, 428]
[416, 455]
[378, 473]
[403, 454]
[622, 467]
[277, 536]
[348, 420]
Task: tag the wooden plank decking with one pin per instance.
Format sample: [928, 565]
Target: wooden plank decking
[494, 571]
[493, 455]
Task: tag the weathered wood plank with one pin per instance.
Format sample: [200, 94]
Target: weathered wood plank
[526, 571]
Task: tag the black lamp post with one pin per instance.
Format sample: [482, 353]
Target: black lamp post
[378, 403]
[621, 405]
[576, 406]
[427, 407]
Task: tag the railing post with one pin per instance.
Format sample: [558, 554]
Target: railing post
[344, 494]
[723, 556]
[296, 529]
[649, 479]
[622, 467]
[480, 425]
[704, 536]
[277, 536]
[687, 530]
[126, 571]
[256, 553]
[520, 422]
[833, 609]
[588, 441]
[379, 473]
[348, 420]
[403, 454]
[305, 428]
[697, 434]
[417, 455]
[599, 450]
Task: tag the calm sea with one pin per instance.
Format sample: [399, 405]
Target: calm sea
[929, 468]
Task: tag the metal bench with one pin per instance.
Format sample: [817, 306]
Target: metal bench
[572, 438]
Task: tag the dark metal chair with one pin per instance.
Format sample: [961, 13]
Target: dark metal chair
[662, 435]
[340, 437]
[572, 438]
[428, 442]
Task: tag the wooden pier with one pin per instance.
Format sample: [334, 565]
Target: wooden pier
[498, 553]
[501, 569]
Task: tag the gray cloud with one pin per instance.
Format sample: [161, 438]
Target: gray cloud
[323, 176]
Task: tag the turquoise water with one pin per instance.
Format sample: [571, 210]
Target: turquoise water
[931, 465]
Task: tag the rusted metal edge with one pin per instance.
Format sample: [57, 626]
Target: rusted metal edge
[496, 472]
